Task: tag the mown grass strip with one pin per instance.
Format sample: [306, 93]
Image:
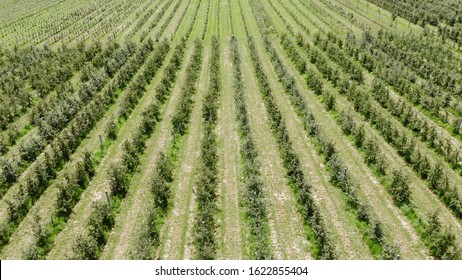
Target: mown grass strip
[168, 20]
[206, 20]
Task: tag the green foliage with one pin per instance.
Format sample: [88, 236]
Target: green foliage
[45, 70]
[130, 157]
[73, 185]
[371, 150]
[441, 241]
[118, 180]
[183, 111]
[70, 191]
[67, 90]
[406, 147]
[390, 252]
[377, 231]
[87, 246]
[65, 132]
[329, 100]
[31, 253]
[417, 124]
[147, 237]
[160, 182]
[206, 185]
[399, 187]
[111, 130]
[331, 48]
[9, 169]
[137, 89]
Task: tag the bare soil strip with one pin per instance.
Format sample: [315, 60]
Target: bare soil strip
[229, 166]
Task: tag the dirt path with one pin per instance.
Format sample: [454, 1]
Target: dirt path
[345, 234]
[422, 196]
[454, 177]
[229, 166]
[163, 19]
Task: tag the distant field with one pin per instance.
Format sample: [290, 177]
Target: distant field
[230, 129]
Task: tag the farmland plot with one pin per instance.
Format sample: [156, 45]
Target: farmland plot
[221, 129]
